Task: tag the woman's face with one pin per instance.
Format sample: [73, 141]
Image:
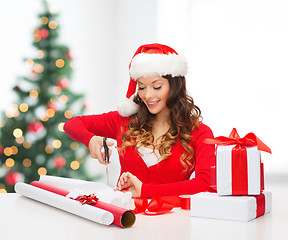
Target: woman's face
[153, 91]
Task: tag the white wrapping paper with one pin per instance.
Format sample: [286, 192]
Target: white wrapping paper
[239, 208]
[69, 205]
[78, 187]
[224, 170]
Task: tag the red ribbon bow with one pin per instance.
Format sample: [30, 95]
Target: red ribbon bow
[160, 205]
[250, 139]
[87, 199]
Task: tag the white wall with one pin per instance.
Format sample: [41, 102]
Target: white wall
[237, 52]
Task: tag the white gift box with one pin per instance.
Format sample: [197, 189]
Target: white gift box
[224, 170]
[239, 208]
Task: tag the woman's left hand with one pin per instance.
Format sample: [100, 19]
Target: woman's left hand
[128, 180]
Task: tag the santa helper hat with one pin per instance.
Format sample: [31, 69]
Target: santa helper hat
[149, 60]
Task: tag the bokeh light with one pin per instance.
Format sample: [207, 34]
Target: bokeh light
[42, 171]
[17, 133]
[10, 162]
[60, 63]
[56, 143]
[49, 149]
[68, 114]
[27, 162]
[23, 107]
[61, 127]
[74, 165]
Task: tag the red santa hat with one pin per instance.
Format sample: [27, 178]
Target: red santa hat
[149, 60]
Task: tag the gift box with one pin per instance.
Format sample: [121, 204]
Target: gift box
[239, 170]
[238, 208]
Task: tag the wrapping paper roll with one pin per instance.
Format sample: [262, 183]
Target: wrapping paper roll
[58, 201]
[121, 216]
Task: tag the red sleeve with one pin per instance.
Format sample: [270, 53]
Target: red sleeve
[205, 158]
[83, 128]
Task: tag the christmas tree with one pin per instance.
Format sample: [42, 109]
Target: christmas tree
[32, 140]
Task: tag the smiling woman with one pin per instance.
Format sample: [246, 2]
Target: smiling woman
[157, 129]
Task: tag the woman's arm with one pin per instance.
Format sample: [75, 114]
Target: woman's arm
[83, 128]
[88, 129]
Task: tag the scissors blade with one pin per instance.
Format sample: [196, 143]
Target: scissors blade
[106, 151]
[107, 174]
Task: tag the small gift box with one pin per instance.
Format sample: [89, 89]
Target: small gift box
[239, 170]
[238, 208]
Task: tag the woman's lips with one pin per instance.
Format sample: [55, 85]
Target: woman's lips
[152, 104]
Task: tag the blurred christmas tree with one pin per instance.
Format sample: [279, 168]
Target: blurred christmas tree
[32, 140]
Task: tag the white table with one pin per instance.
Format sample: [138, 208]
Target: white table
[23, 218]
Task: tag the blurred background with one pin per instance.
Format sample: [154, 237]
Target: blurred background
[237, 52]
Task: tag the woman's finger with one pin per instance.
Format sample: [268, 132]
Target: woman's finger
[123, 181]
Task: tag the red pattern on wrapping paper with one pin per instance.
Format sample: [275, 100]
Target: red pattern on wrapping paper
[87, 199]
[160, 205]
[50, 188]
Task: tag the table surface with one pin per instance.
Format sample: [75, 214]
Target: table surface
[23, 218]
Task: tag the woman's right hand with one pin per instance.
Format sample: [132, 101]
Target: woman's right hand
[95, 146]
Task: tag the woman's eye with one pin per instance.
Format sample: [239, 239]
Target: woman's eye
[140, 88]
[157, 88]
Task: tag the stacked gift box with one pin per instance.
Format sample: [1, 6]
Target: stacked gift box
[238, 179]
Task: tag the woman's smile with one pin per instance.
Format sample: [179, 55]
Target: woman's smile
[152, 103]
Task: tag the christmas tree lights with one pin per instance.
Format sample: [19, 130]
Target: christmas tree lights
[32, 139]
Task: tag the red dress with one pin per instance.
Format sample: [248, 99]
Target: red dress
[168, 177]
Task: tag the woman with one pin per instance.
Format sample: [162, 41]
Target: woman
[158, 133]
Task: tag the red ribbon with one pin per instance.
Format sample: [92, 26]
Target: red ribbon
[239, 157]
[87, 199]
[160, 205]
[260, 204]
[249, 140]
[239, 170]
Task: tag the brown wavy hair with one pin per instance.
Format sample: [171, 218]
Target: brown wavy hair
[184, 118]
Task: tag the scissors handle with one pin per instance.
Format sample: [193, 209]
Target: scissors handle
[106, 150]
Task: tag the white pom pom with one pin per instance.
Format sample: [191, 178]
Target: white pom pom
[127, 108]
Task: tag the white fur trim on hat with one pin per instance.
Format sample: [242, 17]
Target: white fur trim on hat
[127, 107]
[145, 64]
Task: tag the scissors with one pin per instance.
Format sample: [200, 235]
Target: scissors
[106, 151]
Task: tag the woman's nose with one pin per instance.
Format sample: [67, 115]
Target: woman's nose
[148, 93]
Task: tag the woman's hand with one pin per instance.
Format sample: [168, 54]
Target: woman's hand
[128, 180]
[95, 146]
